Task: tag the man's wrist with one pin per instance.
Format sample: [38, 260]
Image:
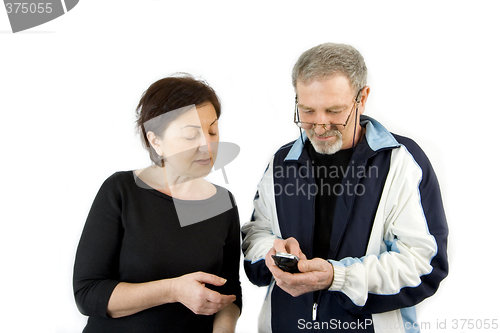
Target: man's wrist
[339, 275]
[331, 277]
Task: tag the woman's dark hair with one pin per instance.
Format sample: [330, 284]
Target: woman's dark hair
[165, 100]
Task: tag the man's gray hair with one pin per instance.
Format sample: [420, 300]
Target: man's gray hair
[328, 59]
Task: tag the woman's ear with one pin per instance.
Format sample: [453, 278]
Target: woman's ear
[155, 143]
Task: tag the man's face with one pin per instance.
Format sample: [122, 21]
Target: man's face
[328, 101]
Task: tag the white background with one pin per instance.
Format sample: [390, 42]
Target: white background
[68, 90]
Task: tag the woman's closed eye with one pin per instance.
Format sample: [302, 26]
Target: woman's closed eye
[190, 133]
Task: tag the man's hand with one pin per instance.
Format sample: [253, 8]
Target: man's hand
[316, 274]
[289, 245]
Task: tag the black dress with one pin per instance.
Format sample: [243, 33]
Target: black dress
[133, 234]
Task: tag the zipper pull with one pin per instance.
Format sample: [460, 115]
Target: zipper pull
[315, 310]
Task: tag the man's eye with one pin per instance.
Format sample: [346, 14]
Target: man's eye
[334, 111]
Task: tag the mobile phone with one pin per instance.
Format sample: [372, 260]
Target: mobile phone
[286, 261]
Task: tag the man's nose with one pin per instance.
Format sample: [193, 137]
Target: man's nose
[321, 119]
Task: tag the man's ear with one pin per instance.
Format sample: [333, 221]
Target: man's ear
[363, 98]
[155, 142]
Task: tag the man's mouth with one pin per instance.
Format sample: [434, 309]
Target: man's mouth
[326, 136]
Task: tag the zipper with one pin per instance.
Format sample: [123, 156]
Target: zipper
[317, 299]
[316, 293]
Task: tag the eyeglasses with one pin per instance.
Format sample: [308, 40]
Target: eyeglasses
[308, 126]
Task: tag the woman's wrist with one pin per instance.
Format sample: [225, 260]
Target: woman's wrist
[130, 298]
[222, 330]
[170, 290]
[225, 320]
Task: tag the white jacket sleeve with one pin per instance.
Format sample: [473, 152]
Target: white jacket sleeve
[260, 233]
[400, 248]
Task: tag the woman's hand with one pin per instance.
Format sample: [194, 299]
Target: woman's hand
[190, 290]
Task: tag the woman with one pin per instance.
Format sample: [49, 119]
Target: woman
[160, 248]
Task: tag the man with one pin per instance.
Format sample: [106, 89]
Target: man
[359, 206]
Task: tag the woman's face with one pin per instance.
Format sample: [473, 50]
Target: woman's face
[190, 142]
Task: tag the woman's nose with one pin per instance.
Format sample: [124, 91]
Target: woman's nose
[205, 144]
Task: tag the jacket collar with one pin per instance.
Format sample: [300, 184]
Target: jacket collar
[377, 138]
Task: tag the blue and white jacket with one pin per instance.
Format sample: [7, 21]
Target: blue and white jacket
[388, 244]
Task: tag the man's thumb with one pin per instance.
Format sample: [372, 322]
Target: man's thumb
[303, 266]
[309, 265]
